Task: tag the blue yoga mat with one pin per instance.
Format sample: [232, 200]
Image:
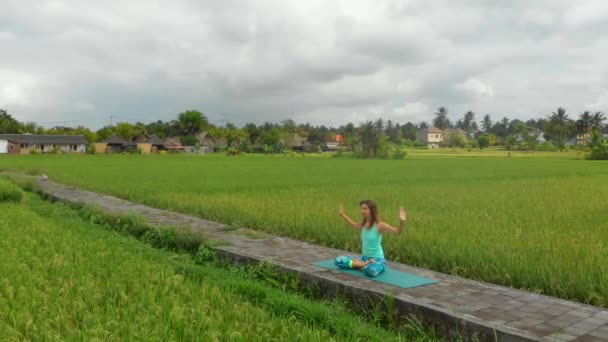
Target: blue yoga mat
[389, 276]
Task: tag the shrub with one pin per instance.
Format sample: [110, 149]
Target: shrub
[233, 151]
[91, 149]
[10, 192]
[599, 147]
[399, 153]
[546, 146]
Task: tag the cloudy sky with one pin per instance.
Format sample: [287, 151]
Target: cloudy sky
[322, 62]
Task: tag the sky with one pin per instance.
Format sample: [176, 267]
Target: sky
[324, 62]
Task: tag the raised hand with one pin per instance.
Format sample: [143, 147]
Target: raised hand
[402, 214]
[341, 210]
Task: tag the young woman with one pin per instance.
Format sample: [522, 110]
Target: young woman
[372, 261]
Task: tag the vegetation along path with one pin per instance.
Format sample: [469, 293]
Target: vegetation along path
[454, 305]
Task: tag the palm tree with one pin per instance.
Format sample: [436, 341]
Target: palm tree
[441, 120]
[486, 124]
[192, 122]
[583, 124]
[559, 122]
[370, 138]
[597, 120]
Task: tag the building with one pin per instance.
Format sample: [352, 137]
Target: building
[26, 143]
[431, 136]
[8, 146]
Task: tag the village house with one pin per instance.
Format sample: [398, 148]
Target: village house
[26, 143]
[582, 139]
[333, 143]
[8, 146]
[431, 136]
[113, 144]
[208, 145]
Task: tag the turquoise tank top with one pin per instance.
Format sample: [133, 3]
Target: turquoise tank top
[372, 242]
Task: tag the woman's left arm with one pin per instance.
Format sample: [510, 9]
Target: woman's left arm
[385, 227]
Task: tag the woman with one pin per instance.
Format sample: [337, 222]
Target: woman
[372, 261]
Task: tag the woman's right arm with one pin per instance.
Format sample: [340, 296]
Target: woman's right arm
[353, 224]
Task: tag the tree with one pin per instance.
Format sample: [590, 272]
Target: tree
[510, 142]
[253, 132]
[597, 121]
[125, 130]
[558, 127]
[501, 128]
[31, 128]
[214, 133]
[157, 128]
[441, 120]
[486, 124]
[234, 135]
[288, 125]
[192, 122]
[105, 132]
[483, 141]
[8, 124]
[369, 134]
[466, 123]
[456, 140]
[584, 122]
[140, 130]
[89, 135]
[271, 137]
[529, 135]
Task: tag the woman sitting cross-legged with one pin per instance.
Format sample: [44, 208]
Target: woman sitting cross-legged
[372, 261]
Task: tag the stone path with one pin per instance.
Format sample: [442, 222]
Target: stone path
[456, 306]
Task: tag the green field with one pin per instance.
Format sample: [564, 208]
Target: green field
[66, 279]
[538, 222]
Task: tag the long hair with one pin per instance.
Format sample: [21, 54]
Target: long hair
[373, 210]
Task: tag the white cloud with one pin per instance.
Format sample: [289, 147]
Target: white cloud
[412, 110]
[13, 94]
[476, 88]
[316, 61]
[601, 102]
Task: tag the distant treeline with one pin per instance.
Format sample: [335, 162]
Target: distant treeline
[557, 128]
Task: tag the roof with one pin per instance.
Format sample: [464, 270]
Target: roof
[44, 139]
[173, 143]
[155, 140]
[294, 140]
[432, 129]
[115, 140]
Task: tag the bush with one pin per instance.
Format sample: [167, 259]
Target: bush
[10, 192]
[399, 153]
[546, 146]
[233, 151]
[599, 147]
[91, 149]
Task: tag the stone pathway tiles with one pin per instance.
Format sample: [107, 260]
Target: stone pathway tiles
[455, 305]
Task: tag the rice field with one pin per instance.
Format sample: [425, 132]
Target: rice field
[537, 222]
[66, 279]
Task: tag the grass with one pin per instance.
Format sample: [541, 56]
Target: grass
[64, 278]
[10, 192]
[533, 222]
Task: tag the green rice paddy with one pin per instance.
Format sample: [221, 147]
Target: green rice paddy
[537, 222]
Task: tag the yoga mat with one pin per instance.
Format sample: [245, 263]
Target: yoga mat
[389, 276]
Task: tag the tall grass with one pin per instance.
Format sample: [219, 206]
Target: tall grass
[66, 279]
[9, 192]
[537, 223]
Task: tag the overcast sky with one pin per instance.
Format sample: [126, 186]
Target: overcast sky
[322, 62]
